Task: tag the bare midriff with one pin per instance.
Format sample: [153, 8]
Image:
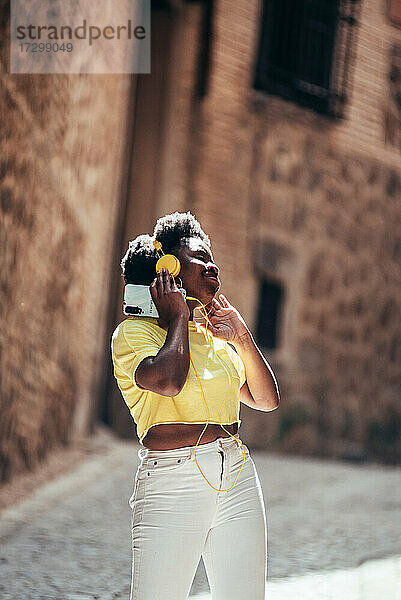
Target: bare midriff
[177, 435]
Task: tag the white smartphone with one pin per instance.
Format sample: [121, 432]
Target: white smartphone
[138, 301]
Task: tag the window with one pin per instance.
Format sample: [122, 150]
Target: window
[304, 51]
[269, 314]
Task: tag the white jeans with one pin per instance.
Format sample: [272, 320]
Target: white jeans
[177, 518]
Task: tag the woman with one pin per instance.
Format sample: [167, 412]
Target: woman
[166, 369]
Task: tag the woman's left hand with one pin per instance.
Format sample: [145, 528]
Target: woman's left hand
[225, 322]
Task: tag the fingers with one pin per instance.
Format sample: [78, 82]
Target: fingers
[159, 283]
[166, 280]
[216, 304]
[153, 290]
[224, 301]
[163, 282]
[214, 319]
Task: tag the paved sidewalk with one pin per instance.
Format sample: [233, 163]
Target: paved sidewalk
[334, 531]
[374, 580]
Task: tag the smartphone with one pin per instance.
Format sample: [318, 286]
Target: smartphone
[138, 301]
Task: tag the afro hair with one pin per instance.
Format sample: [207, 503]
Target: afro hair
[139, 262]
[172, 230]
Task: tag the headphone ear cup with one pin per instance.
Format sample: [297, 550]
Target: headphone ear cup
[170, 262]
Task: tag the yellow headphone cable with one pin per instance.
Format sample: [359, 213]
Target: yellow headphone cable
[174, 264]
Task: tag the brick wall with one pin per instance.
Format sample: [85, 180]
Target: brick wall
[61, 163]
[283, 192]
[314, 204]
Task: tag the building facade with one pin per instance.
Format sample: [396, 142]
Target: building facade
[292, 167]
[306, 192]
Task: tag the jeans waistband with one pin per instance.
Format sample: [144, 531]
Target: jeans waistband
[221, 442]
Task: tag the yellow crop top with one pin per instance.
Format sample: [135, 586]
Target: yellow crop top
[136, 338]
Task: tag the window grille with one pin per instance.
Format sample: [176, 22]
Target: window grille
[305, 51]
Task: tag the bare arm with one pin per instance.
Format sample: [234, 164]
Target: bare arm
[167, 372]
[260, 391]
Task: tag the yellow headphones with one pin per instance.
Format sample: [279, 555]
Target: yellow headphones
[168, 261]
[172, 264]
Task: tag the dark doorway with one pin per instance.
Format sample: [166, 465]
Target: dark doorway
[142, 188]
[269, 314]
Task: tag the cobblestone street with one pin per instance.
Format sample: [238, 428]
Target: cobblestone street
[334, 531]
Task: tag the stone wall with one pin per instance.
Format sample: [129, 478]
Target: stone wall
[61, 163]
[283, 192]
[339, 214]
[314, 204]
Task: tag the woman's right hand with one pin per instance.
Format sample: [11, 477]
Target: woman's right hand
[168, 299]
[166, 373]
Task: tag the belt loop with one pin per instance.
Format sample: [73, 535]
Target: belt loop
[142, 453]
